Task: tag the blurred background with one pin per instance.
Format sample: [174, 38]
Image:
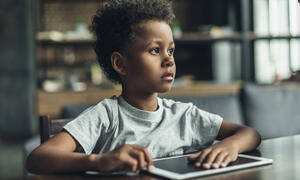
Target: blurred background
[47, 60]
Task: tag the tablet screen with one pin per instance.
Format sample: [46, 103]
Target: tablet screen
[181, 165]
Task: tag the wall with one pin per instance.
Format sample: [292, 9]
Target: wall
[17, 68]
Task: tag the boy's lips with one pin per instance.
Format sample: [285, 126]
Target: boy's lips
[168, 76]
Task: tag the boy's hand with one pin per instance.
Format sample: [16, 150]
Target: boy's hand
[125, 158]
[215, 156]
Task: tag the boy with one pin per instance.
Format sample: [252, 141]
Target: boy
[135, 47]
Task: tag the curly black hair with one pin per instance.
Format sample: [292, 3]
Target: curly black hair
[115, 26]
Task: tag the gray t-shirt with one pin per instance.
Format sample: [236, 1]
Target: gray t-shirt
[174, 128]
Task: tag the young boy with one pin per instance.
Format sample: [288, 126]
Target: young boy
[135, 47]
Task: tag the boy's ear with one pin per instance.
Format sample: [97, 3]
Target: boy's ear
[118, 63]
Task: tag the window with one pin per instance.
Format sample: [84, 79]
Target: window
[277, 42]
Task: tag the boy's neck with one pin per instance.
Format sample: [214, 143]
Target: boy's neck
[146, 102]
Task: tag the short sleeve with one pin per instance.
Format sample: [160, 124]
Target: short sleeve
[89, 126]
[205, 126]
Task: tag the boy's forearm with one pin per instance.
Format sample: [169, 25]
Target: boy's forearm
[246, 139]
[55, 161]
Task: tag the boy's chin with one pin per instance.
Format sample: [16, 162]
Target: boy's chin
[164, 90]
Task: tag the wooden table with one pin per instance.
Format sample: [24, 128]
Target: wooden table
[284, 151]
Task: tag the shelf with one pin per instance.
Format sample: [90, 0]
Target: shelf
[71, 1]
[288, 37]
[52, 103]
[199, 37]
[66, 65]
[187, 37]
[66, 42]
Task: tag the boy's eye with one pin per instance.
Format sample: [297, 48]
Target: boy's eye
[154, 51]
[171, 51]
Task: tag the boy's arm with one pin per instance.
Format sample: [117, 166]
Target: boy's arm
[57, 155]
[244, 137]
[234, 139]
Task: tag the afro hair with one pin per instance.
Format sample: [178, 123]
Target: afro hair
[115, 26]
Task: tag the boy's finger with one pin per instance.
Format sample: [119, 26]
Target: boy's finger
[219, 159]
[210, 159]
[133, 164]
[194, 156]
[202, 157]
[139, 156]
[226, 161]
[147, 156]
[129, 163]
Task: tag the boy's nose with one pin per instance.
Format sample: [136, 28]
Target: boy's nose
[168, 61]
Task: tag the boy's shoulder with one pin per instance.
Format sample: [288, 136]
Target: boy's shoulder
[107, 101]
[104, 105]
[104, 110]
[111, 100]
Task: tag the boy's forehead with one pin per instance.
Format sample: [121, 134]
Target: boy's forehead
[154, 31]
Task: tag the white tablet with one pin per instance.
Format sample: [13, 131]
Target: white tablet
[179, 168]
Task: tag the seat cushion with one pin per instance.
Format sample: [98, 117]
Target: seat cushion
[225, 105]
[273, 110]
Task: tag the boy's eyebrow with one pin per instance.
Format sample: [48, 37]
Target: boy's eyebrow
[158, 42]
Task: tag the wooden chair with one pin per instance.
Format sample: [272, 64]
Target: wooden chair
[50, 127]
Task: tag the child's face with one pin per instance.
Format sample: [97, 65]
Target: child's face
[150, 62]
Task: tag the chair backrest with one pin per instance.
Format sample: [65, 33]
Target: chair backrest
[49, 127]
